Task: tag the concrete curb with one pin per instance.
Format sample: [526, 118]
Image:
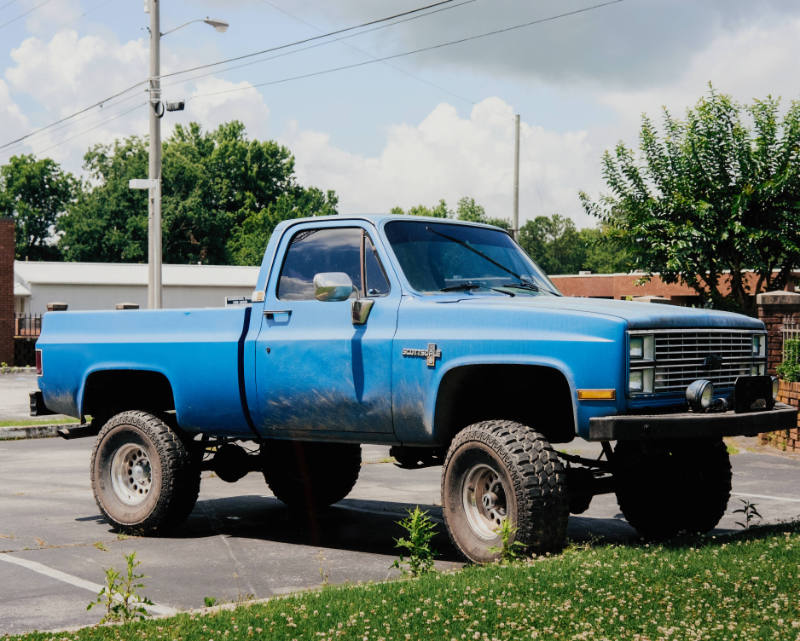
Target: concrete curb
[29, 431]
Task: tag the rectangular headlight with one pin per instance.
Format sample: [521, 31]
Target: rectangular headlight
[759, 344]
[640, 381]
[637, 346]
[642, 347]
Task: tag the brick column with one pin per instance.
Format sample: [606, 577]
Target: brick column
[7, 290]
[777, 309]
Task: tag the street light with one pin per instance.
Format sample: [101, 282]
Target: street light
[153, 184]
[219, 25]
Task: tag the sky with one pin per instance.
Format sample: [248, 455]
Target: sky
[438, 123]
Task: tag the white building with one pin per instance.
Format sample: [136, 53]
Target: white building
[104, 285]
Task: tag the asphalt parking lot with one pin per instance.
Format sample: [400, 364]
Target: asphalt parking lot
[240, 542]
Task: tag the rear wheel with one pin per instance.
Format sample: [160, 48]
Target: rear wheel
[144, 478]
[497, 471]
[310, 476]
[665, 488]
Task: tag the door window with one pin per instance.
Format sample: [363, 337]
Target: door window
[336, 249]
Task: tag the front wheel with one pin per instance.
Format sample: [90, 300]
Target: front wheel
[665, 488]
[144, 478]
[497, 471]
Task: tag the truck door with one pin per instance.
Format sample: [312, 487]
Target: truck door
[316, 369]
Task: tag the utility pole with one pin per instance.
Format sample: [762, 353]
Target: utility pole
[154, 172]
[515, 224]
[156, 109]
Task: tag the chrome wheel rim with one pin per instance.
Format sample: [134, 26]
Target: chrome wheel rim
[483, 499]
[131, 474]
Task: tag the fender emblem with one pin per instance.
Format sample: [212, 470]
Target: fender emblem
[430, 355]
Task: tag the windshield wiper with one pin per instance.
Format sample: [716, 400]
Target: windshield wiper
[464, 243]
[523, 284]
[461, 287]
[468, 287]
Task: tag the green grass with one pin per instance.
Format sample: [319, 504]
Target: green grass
[743, 586]
[38, 421]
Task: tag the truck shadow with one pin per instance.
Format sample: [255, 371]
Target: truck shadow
[352, 524]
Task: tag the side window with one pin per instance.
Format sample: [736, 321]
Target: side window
[377, 283]
[338, 249]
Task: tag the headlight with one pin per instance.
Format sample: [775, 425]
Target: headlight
[757, 370]
[774, 388]
[640, 381]
[700, 395]
[642, 347]
[759, 344]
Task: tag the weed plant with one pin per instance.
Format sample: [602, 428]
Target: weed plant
[740, 587]
[420, 529]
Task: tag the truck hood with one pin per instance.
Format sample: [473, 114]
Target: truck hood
[636, 315]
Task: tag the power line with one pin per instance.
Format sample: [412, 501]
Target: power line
[403, 54]
[310, 39]
[96, 126]
[367, 53]
[22, 15]
[73, 115]
[206, 66]
[321, 44]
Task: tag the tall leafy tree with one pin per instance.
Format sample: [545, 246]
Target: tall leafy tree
[709, 196]
[604, 251]
[554, 243]
[248, 242]
[218, 187]
[35, 193]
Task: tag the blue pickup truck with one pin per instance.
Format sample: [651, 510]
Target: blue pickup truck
[439, 338]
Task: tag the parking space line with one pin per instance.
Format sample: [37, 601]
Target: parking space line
[72, 580]
[766, 496]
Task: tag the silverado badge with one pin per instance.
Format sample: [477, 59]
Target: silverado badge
[430, 354]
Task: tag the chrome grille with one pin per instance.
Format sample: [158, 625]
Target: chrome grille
[680, 357]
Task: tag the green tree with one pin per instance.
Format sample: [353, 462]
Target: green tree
[605, 252]
[554, 243]
[218, 187]
[108, 221]
[35, 193]
[248, 242]
[710, 196]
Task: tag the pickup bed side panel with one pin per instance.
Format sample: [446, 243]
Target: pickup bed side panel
[585, 348]
[196, 350]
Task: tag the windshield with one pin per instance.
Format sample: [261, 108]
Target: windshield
[437, 257]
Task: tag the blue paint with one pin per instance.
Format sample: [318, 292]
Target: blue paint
[307, 371]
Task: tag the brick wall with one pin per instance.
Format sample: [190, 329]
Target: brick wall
[777, 309]
[7, 290]
[786, 440]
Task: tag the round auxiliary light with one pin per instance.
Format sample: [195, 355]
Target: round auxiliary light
[700, 395]
[774, 388]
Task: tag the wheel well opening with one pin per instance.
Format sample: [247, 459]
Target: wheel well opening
[533, 395]
[111, 392]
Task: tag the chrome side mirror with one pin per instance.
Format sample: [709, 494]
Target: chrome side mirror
[332, 286]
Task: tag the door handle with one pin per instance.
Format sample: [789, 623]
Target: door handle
[271, 313]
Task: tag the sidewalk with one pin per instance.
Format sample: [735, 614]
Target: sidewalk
[15, 419]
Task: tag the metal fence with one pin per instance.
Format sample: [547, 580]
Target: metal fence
[27, 325]
[790, 332]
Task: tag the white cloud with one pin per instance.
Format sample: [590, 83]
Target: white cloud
[69, 71]
[215, 101]
[446, 156]
[749, 63]
[55, 14]
[12, 121]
